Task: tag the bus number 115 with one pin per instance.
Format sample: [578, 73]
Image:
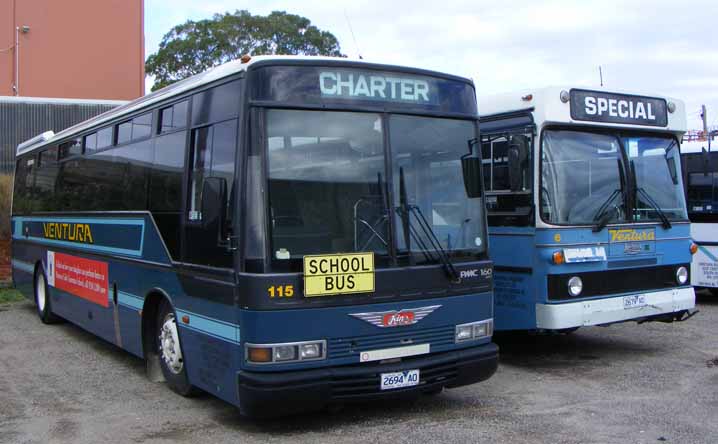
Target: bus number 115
[281, 291]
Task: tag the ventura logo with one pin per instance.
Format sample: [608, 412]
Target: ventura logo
[631, 235]
[396, 318]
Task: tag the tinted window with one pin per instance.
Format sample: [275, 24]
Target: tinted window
[23, 177]
[132, 163]
[166, 187]
[90, 142]
[45, 180]
[216, 104]
[124, 132]
[104, 138]
[173, 117]
[70, 148]
[213, 155]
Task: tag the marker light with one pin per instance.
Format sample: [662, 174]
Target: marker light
[575, 286]
[564, 96]
[285, 352]
[694, 248]
[259, 354]
[245, 58]
[558, 258]
[527, 97]
[671, 107]
[681, 275]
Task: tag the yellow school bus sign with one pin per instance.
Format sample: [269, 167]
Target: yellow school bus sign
[331, 274]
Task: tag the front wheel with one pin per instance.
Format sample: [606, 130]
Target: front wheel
[169, 348]
[42, 299]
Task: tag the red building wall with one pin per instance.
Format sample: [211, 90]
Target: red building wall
[86, 49]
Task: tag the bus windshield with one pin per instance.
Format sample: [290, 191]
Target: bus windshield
[328, 190]
[583, 177]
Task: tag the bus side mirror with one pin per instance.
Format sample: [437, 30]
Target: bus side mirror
[471, 168]
[214, 204]
[518, 157]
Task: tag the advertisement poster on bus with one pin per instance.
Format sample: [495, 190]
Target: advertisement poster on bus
[78, 276]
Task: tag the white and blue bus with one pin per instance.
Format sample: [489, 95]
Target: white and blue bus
[587, 216]
[700, 169]
[284, 233]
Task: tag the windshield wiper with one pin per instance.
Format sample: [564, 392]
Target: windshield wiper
[411, 231]
[664, 219]
[602, 217]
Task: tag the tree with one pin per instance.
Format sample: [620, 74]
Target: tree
[195, 46]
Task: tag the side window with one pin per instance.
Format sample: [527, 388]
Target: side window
[89, 143]
[70, 148]
[138, 128]
[46, 180]
[23, 175]
[173, 117]
[213, 155]
[104, 138]
[216, 104]
[168, 166]
[507, 206]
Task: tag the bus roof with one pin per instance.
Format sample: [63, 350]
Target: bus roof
[196, 81]
[546, 106]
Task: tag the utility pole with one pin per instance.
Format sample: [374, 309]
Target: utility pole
[704, 116]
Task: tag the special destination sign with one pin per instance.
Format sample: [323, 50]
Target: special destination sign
[599, 106]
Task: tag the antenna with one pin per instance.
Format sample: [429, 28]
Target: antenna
[351, 30]
[600, 74]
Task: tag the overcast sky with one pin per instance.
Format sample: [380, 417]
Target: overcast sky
[659, 47]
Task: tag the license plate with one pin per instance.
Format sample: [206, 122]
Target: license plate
[634, 301]
[397, 380]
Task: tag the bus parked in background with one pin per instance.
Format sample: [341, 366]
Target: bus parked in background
[700, 171]
[587, 216]
[284, 233]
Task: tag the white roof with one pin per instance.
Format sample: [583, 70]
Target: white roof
[548, 107]
[177, 88]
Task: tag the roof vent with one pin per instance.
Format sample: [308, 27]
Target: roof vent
[44, 137]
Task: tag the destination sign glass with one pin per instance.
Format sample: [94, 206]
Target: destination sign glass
[598, 106]
[362, 87]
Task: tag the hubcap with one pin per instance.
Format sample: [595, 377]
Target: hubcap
[170, 345]
[41, 292]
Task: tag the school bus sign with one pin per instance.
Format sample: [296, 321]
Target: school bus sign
[331, 274]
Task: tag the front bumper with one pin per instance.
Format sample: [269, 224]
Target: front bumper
[286, 393]
[609, 310]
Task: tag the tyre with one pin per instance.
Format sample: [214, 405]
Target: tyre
[42, 299]
[170, 353]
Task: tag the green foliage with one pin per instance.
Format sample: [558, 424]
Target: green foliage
[10, 295]
[194, 47]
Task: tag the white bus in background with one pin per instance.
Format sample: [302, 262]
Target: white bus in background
[700, 169]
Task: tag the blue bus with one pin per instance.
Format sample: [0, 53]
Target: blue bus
[587, 216]
[700, 170]
[284, 233]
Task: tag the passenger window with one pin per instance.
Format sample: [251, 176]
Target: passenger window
[213, 155]
[104, 138]
[216, 104]
[90, 143]
[138, 128]
[173, 117]
[70, 148]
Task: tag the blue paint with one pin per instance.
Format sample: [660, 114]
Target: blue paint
[23, 266]
[213, 327]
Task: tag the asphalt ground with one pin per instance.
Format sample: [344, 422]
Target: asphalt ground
[627, 383]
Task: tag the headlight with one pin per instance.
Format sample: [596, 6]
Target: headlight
[575, 286]
[474, 330]
[286, 352]
[681, 275]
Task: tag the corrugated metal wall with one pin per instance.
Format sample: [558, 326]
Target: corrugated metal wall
[21, 120]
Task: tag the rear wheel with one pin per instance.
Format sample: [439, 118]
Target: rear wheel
[42, 299]
[169, 349]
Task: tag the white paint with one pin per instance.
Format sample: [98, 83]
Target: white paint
[392, 353]
[608, 310]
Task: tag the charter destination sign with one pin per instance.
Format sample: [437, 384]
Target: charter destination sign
[598, 106]
[356, 85]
